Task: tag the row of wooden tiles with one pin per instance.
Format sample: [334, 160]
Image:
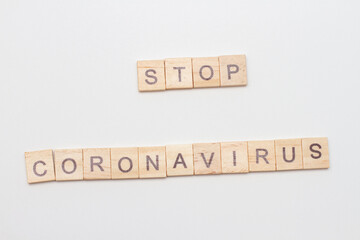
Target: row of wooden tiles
[176, 160]
[182, 73]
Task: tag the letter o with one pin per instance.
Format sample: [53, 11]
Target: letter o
[130, 167]
[211, 71]
[63, 166]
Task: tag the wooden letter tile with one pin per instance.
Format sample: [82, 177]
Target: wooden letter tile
[288, 154]
[124, 163]
[206, 72]
[68, 164]
[40, 166]
[178, 73]
[261, 156]
[207, 158]
[152, 162]
[233, 70]
[315, 153]
[97, 163]
[179, 160]
[234, 157]
[151, 75]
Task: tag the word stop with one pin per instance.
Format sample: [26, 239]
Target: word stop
[182, 73]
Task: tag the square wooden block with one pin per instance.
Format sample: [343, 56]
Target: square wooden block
[124, 163]
[152, 162]
[179, 160]
[151, 75]
[207, 159]
[68, 164]
[178, 73]
[288, 154]
[206, 72]
[39, 166]
[233, 70]
[234, 157]
[97, 163]
[261, 156]
[315, 153]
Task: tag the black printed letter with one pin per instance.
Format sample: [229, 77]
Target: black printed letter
[148, 159]
[234, 158]
[179, 71]
[210, 160]
[63, 165]
[34, 169]
[231, 72]
[130, 167]
[211, 72]
[315, 151]
[293, 155]
[97, 164]
[178, 161]
[150, 76]
[261, 156]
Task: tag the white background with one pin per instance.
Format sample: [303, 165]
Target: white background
[68, 80]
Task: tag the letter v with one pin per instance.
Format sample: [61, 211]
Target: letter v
[210, 160]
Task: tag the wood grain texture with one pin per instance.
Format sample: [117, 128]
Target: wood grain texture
[233, 70]
[96, 163]
[68, 164]
[315, 153]
[261, 156]
[207, 158]
[206, 72]
[151, 75]
[179, 160]
[152, 162]
[39, 166]
[234, 157]
[178, 73]
[124, 163]
[288, 154]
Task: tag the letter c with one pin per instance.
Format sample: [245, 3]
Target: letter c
[35, 171]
